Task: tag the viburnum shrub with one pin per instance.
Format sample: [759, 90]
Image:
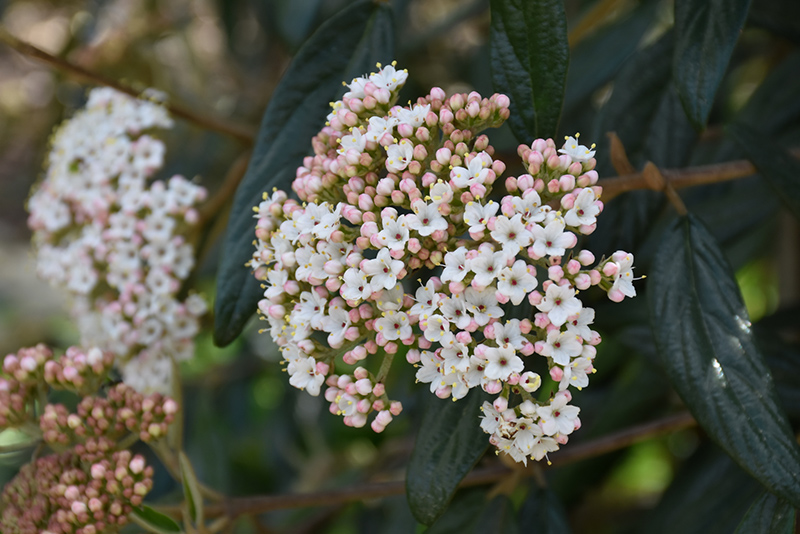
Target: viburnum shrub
[406, 234]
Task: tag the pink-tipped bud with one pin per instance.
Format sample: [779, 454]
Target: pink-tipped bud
[556, 373]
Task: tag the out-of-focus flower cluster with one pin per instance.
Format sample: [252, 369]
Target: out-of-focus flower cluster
[396, 193]
[91, 483]
[117, 243]
[68, 493]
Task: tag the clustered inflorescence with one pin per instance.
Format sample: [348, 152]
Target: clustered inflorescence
[90, 484]
[402, 240]
[117, 243]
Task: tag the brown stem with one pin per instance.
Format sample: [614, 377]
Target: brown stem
[487, 475]
[680, 178]
[241, 133]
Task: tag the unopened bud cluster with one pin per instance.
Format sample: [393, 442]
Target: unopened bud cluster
[396, 193]
[71, 493]
[115, 241]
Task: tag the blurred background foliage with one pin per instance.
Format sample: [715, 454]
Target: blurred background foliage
[247, 431]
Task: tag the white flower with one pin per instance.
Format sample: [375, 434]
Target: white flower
[475, 173]
[561, 346]
[483, 305]
[395, 233]
[355, 141]
[304, 376]
[455, 265]
[551, 240]
[576, 374]
[558, 417]
[542, 444]
[454, 308]
[579, 324]
[378, 127]
[388, 77]
[486, 266]
[336, 324]
[414, 117]
[530, 206]
[559, 303]
[512, 234]
[394, 325]
[490, 418]
[398, 156]
[436, 328]
[584, 211]
[516, 282]
[356, 88]
[509, 334]
[426, 219]
[430, 370]
[575, 151]
[356, 286]
[427, 301]
[501, 362]
[476, 215]
[328, 223]
[441, 193]
[456, 357]
[624, 278]
[383, 270]
[391, 299]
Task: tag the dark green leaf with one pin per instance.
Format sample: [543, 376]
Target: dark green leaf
[461, 514]
[768, 515]
[530, 56]
[295, 114]
[708, 495]
[191, 489]
[775, 165]
[449, 443]
[497, 517]
[706, 32]
[779, 16]
[704, 338]
[153, 521]
[597, 59]
[543, 509]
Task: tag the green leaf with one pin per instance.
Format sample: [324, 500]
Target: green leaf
[153, 521]
[497, 517]
[706, 33]
[595, 60]
[705, 342]
[768, 515]
[778, 16]
[708, 495]
[295, 114]
[530, 57]
[775, 165]
[543, 509]
[191, 489]
[462, 512]
[449, 443]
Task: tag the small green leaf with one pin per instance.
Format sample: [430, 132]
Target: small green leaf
[153, 521]
[768, 515]
[191, 489]
[543, 509]
[295, 114]
[704, 339]
[775, 165]
[706, 32]
[530, 57]
[449, 444]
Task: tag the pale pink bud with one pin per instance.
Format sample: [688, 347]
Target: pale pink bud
[379, 389]
[78, 508]
[610, 269]
[395, 408]
[555, 273]
[556, 373]
[364, 386]
[493, 387]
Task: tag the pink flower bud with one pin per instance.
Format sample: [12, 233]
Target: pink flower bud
[395, 408]
[493, 387]
[583, 281]
[379, 389]
[610, 269]
[555, 273]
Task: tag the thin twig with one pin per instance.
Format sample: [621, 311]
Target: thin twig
[680, 178]
[374, 490]
[242, 133]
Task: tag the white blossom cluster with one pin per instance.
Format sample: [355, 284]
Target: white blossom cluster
[396, 193]
[117, 242]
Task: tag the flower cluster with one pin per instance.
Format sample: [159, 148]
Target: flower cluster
[92, 483]
[396, 190]
[117, 243]
[70, 493]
